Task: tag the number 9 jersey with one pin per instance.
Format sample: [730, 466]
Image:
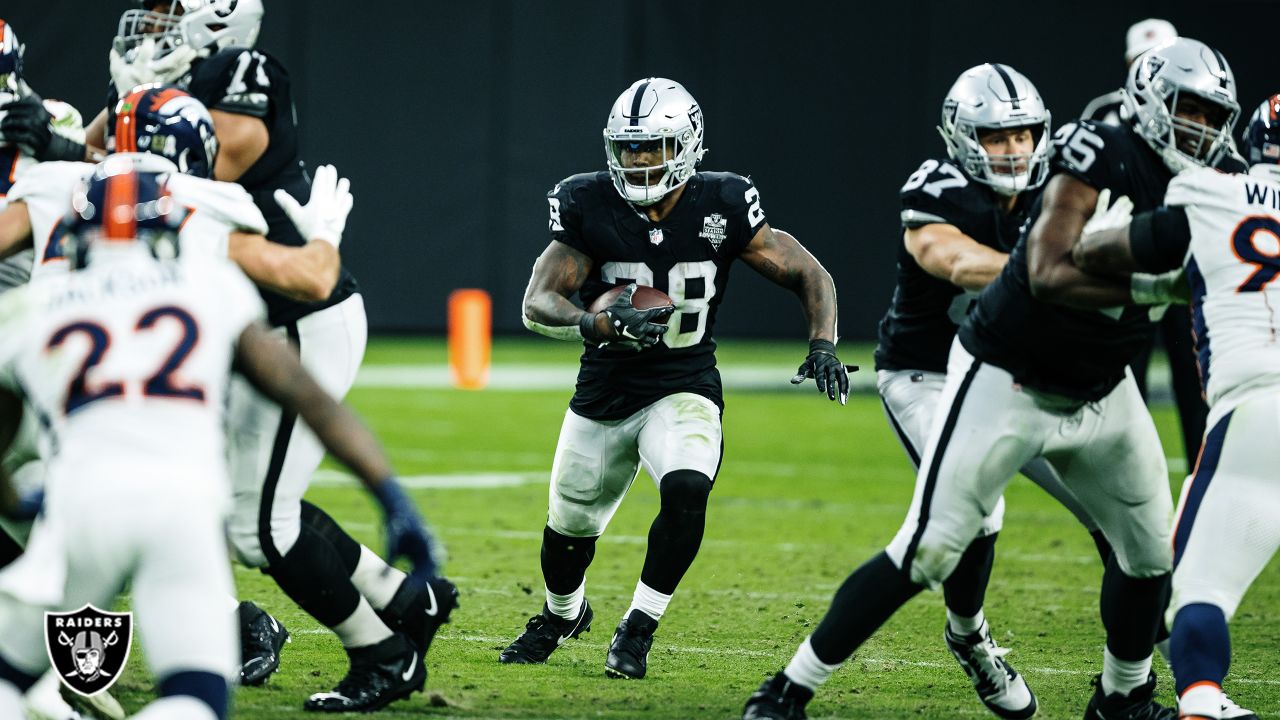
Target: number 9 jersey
[686, 255]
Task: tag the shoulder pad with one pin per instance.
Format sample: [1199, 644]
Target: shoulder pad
[46, 178]
[939, 191]
[226, 202]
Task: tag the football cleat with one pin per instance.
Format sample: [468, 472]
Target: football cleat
[543, 634]
[1232, 711]
[261, 637]
[380, 674]
[418, 610]
[998, 685]
[778, 699]
[629, 651]
[1137, 705]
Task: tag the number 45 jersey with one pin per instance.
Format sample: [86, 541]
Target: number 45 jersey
[686, 255]
[126, 361]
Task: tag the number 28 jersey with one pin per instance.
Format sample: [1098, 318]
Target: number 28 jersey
[126, 361]
[686, 255]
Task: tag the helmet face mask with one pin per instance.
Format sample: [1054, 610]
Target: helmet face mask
[1174, 80]
[990, 98]
[653, 140]
[205, 26]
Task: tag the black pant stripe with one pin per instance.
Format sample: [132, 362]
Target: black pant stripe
[902, 435]
[279, 448]
[939, 455]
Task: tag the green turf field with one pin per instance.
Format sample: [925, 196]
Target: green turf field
[807, 491]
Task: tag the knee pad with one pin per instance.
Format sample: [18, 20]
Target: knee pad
[685, 491]
[205, 688]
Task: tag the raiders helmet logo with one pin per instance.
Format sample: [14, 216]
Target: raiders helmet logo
[226, 11]
[88, 647]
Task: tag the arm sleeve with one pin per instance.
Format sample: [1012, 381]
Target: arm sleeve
[1158, 239]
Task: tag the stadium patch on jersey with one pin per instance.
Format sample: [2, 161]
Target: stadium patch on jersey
[655, 236]
[714, 229]
[88, 647]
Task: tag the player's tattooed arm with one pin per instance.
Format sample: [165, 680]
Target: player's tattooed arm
[777, 255]
[558, 273]
[945, 252]
[1067, 205]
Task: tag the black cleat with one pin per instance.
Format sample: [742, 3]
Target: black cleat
[1137, 705]
[778, 699]
[380, 674]
[261, 637]
[418, 610]
[629, 651]
[543, 634]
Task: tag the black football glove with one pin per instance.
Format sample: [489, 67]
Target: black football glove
[637, 325]
[828, 373]
[27, 124]
[407, 534]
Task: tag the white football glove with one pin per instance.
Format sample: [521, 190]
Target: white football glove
[1108, 218]
[325, 215]
[139, 66]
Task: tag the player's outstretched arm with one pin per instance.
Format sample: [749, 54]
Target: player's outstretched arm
[1068, 203]
[777, 255]
[946, 253]
[273, 367]
[308, 273]
[557, 274]
[15, 229]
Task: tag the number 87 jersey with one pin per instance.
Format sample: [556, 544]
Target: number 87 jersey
[126, 361]
[686, 255]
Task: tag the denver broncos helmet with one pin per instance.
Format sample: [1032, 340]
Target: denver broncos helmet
[164, 121]
[119, 204]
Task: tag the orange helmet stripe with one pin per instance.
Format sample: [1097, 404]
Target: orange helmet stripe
[120, 222]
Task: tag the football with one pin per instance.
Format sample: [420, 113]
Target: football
[645, 298]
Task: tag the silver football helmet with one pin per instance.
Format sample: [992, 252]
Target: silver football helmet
[12, 86]
[1174, 70]
[996, 97]
[204, 26]
[656, 116]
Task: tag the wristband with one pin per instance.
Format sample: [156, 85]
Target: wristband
[820, 345]
[587, 326]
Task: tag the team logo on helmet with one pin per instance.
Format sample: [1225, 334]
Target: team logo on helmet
[88, 647]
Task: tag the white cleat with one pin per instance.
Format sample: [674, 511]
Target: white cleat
[998, 685]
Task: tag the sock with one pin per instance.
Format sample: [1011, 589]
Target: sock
[1200, 646]
[965, 626]
[866, 600]
[568, 606]
[1102, 544]
[1131, 609]
[676, 534]
[806, 670]
[363, 628]
[965, 591]
[177, 707]
[346, 546]
[375, 579]
[1201, 700]
[1123, 676]
[209, 689]
[565, 560]
[313, 577]
[648, 601]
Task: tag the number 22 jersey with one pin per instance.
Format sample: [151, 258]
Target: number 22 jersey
[686, 255]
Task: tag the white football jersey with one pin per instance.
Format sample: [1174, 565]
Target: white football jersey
[216, 209]
[126, 361]
[1232, 261]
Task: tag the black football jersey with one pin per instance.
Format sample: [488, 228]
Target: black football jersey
[251, 82]
[1080, 354]
[917, 331]
[686, 255]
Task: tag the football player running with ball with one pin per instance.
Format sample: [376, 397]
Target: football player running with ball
[649, 393]
[961, 217]
[1039, 369]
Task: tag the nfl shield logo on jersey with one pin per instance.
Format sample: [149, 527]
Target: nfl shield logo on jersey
[88, 647]
[714, 228]
[655, 236]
